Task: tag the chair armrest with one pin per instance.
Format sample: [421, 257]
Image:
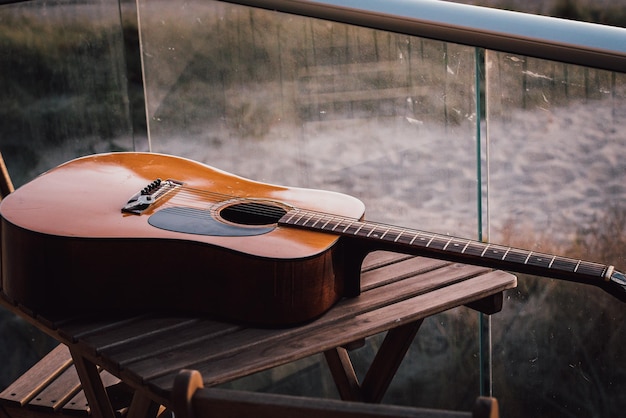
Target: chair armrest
[190, 399]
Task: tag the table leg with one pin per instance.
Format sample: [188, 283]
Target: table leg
[345, 378]
[97, 397]
[381, 371]
[387, 360]
[142, 407]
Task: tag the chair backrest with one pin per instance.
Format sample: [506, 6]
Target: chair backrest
[190, 399]
[6, 185]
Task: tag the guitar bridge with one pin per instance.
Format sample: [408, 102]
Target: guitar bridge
[149, 195]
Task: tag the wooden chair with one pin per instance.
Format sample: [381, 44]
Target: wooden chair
[191, 400]
[6, 185]
[52, 387]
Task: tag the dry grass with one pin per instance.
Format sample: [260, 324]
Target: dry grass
[557, 344]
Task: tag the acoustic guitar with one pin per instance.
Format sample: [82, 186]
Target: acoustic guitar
[126, 231]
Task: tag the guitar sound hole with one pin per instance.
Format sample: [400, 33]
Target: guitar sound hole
[252, 213]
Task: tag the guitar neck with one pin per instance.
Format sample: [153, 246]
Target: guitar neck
[387, 237]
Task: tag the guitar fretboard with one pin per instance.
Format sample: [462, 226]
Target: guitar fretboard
[447, 247]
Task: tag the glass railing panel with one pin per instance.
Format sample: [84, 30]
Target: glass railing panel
[64, 90]
[387, 118]
[556, 184]
[63, 94]
[305, 102]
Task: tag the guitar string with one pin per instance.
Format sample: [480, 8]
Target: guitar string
[253, 206]
[189, 194]
[264, 208]
[340, 222]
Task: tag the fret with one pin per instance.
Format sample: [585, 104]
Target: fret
[414, 238]
[385, 233]
[592, 269]
[326, 223]
[296, 217]
[506, 253]
[353, 228]
[346, 228]
[474, 248]
[364, 232]
[398, 232]
[341, 225]
[307, 220]
[539, 260]
[375, 233]
[297, 221]
[564, 264]
[421, 240]
[447, 243]
[336, 225]
[496, 252]
[332, 224]
[527, 257]
[293, 213]
[407, 237]
[577, 265]
[359, 228]
[438, 242]
[515, 255]
[390, 234]
[456, 245]
[317, 218]
[316, 221]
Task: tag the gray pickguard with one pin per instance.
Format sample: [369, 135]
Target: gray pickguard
[201, 222]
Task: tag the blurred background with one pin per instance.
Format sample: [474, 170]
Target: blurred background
[431, 135]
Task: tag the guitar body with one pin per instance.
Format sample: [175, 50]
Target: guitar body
[67, 244]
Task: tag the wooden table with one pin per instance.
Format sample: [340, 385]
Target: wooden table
[146, 351]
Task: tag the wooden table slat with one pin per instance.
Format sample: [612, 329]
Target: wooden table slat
[131, 333]
[55, 320]
[226, 345]
[332, 334]
[247, 339]
[378, 259]
[84, 326]
[399, 270]
[156, 344]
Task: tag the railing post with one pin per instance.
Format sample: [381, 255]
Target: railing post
[484, 322]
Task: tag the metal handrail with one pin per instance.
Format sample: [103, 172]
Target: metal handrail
[568, 41]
